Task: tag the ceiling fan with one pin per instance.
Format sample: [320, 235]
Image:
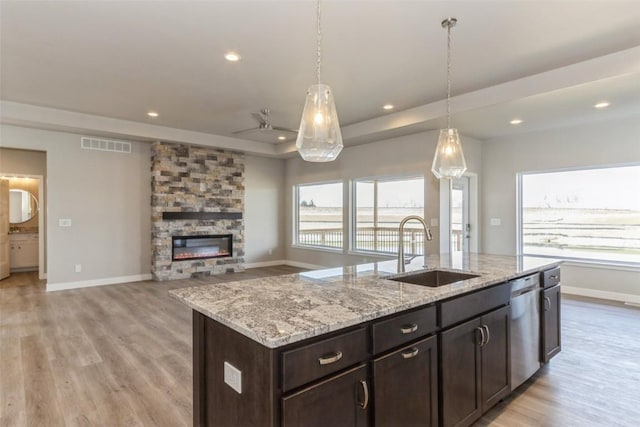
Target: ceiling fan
[264, 124]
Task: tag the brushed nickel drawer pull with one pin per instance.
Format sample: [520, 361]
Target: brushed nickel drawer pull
[408, 329]
[327, 360]
[554, 277]
[483, 337]
[410, 353]
[547, 303]
[486, 328]
[365, 388]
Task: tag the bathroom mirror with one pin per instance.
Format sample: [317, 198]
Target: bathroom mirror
[22, 206]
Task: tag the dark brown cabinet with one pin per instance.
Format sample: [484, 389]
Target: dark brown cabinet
[342, 400]
[406, 386]
[474, 367]
[550, 323]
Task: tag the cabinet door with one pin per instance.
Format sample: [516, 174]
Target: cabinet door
[460, 368]
[406, 386]
[550, 323]
[342, 400]
[496, 360]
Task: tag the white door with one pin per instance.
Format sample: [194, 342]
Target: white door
[460, 224]
[4, 228]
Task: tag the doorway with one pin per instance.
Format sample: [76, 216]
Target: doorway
[460, 227]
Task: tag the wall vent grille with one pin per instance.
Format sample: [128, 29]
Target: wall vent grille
[105, 145]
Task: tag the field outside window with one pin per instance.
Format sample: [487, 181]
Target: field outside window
[380, 205]
[319, 215]
[589, 214]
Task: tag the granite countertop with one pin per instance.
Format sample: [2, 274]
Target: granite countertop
[280, 310]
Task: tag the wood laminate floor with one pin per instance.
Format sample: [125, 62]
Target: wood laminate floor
[120, 355]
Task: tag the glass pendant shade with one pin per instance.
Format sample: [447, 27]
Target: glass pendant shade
[448, 161]
[319, 137]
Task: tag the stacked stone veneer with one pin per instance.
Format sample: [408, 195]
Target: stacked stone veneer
[187, 178]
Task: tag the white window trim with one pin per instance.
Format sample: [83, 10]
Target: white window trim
[353, 214]
[583, 262]
[295, 244]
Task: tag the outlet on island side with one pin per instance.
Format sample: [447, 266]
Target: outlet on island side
[78, 268]
[233, 377]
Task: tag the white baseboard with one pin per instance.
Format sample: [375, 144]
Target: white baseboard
[594, 293]
[265, 263]
[284, 262]
[97, 282]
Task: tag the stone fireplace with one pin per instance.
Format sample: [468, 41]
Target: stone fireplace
[197, 207]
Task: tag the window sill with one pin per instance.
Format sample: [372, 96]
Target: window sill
[319, 248]
[383, 255]
[598, 264]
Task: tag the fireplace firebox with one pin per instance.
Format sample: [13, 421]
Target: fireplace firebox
[202, 247]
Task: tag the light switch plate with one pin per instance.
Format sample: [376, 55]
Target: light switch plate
[64, 222]
[233, 377]
[496, 221]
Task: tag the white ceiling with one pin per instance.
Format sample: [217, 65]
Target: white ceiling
[120, 59]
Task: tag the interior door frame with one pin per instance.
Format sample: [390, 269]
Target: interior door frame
[42, 212]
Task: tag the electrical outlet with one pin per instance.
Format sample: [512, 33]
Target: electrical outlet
[233, 377]
[496, 221]
[64, 222]
[78, 268]
[434, 222]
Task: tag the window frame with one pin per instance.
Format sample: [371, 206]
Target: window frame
[353, 208]
[295, 241]
[574, 260]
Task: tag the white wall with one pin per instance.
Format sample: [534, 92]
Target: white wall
[405, 155]
[597, 144]
[107, 197]
[264, 210]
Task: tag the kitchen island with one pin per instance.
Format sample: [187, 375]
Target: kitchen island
[322, 347]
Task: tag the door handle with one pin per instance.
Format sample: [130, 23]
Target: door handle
[547, 300]
[482, 335]
[410, 353]
[329, 359]
[486, 328]
[408, 329]
[365, 390]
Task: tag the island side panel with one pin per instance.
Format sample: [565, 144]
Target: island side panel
[216, 403]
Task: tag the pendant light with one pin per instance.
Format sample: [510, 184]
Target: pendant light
[319, 137]
[448, 161]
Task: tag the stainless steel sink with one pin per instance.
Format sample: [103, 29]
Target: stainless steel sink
[434, 278]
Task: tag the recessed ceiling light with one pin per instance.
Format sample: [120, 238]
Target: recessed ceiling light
[282, 138]
[603, 104]
[232, 56]
[516, 121]
[152, 114]
[388, 106]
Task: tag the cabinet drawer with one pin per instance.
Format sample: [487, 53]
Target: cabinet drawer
[551, 277]
[313, 361]
[401, 329]
[471, 305]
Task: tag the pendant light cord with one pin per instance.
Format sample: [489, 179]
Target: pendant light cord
[319, 41]
[449, 76]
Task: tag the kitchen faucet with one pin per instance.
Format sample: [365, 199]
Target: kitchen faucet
[427, 236]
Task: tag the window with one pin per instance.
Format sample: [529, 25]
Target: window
[319, 215]
[379, 206]
[589, 214]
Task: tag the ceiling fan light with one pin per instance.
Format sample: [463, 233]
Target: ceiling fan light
[449, 161]
[319, 138]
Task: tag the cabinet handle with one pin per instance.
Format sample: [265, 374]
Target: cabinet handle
[365, 389]
[410, 353]
[547, 300]
[553, 277]
[486, 328]
[408, 329]
[482, 336]
[327, 360]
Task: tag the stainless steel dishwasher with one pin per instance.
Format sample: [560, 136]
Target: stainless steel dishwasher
[525, 328]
